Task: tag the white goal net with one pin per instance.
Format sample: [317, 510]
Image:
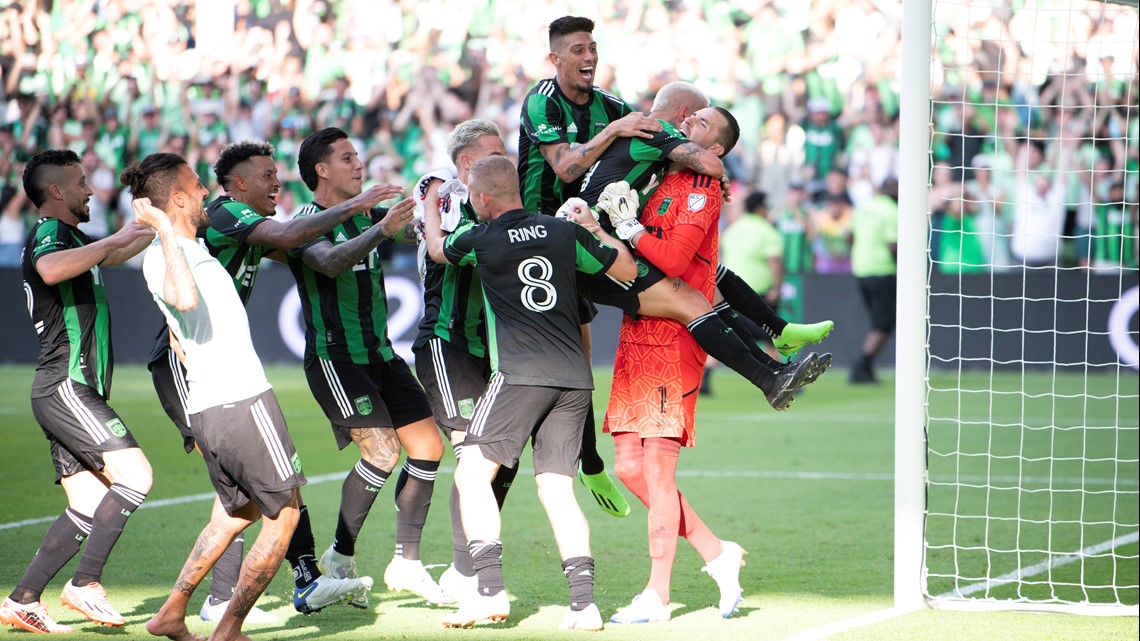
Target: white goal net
[1031, 389]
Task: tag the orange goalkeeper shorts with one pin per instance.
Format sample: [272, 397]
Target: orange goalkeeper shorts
[655, 389]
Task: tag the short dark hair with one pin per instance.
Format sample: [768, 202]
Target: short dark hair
[154, 178]
[235, 154]
[315, 149]
[755, 201]
[35, 183]
[730, 134]
[567, 25]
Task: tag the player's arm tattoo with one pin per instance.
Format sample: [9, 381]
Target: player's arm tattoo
[379, 446]
[693, 156]
[331, 260]
[570, 163]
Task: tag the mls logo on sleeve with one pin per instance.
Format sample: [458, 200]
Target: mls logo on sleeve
[696, 202]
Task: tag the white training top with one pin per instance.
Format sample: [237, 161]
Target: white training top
[221, 364]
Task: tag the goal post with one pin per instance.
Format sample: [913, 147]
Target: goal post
[1017, 472]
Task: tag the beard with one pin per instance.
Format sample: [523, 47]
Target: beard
[81, 212]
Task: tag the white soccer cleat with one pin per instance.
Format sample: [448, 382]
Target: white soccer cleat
[480, 609]
[214, 611]
[587, 619]
[327, 590]
[410, 575]
[725, 570]
[91, 601]
[341, 566]
[32, 617]
[458, 587]
[645, 608]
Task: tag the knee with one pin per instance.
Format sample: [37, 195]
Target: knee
[554, 489]
[688, 304]
[628, 471]
[130, 468]
[424, 444]
[385, 462]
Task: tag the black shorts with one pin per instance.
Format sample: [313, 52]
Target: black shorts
[507, 415]
[372, 395]
[879, 296]
[453, 380]
[604, 290]
[80, 427]
[169, 378]
[249, 453]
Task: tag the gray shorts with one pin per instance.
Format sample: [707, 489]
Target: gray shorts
[453, 380]
[80, 427]
[249, 453]
[507, 415]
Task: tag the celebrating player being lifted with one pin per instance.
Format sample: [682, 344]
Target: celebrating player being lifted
[367, 392]
[540, 382]
[97, 461]
[239, 235]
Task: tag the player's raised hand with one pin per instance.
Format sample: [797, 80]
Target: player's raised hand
[398, 217]
[621, 204]
[375, 195]
[149, 215]
[636, 124]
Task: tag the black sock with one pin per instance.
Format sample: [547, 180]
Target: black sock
[460, 553]
[301, 553]
[60, 544]
[723, 344]
[501, 484]
[747, 331]
[579, 573]
[745, 300]
[488, 558]
[413, 498]
[357, 495]
[224, 577]
[592, 462]
[106, 527]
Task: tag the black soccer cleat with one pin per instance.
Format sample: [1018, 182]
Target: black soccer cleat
[790, 378]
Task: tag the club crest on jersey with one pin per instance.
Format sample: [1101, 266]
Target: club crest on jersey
[363, 405]
[296, 461]
[117, 428]
[696, 202]
[467, 408]
[664, 206]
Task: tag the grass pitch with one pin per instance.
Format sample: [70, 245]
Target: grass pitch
[807, 493]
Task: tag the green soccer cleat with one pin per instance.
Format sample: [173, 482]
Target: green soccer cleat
[607, 495]
[795, 336]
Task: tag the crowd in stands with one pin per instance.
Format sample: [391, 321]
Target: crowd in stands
[1034, 119]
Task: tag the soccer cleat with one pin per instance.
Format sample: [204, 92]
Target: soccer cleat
[458, 587]
[342, 566]
[91, 601]
[607, 495]
[823, 362]
[214, 611]
[327, 590]
[588, 619]
[790, 378]
[725, 570]
[795, 336]
[33, 617]
[480, 609]
[410, 575]
[645, 608]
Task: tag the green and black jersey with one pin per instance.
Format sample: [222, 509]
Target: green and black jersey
[1113, 236]
[633, 160]
[453, 304]
[346, 317]
[526, 263]
[71, 318]
[549, 117]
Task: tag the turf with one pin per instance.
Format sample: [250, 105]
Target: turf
[807, 493]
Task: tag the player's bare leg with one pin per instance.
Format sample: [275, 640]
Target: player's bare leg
[170, 620]
[261, 563]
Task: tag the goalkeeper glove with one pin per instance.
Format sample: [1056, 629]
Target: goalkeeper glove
[628, 229]
[619, 202]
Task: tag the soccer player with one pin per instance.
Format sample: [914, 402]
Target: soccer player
[367, 391]
[97, 461]
[540, 383]
[235, 417]
[657, 371]
[451, 347]
[567, 123]
[240, 234]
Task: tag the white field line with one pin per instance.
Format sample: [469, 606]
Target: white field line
[879, 616]
[883, 477]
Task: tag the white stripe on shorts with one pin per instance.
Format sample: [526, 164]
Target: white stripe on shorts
[96, 430]
[441, 378]
[272, 441]
[179, 382]
[483, 408]
[336, 388]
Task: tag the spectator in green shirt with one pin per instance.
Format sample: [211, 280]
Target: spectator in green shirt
[873, 253]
